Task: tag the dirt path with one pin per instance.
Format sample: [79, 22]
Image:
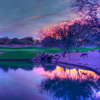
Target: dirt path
[93, 59]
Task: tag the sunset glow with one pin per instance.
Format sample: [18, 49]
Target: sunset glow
[70, 73]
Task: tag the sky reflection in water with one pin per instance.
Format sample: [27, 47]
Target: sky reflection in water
[42, 83]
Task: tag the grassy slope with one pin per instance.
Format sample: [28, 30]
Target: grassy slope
[29, 52]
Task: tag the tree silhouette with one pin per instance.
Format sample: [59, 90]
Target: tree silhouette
[87, 9]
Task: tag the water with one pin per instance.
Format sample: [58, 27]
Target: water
[27, 81]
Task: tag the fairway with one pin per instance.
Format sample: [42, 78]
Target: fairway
[25, 52]
[30, 52]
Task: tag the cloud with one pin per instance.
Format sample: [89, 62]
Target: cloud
[42, 16]
[26, 16]
[14, 28]
[32, 17]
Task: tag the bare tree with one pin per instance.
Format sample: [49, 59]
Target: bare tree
[87, 9]
[61, 37]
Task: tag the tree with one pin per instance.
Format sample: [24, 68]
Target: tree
[23, 42]
[89, 12]
[62, 38]
[66, 38]
[37, 42]
[1, 41]
[86, 41]
[15, 41]
[49, 41]
[78, 31]
[81, 31]
[27, 41]
[5, 40]
[88, 7]
[30, 40]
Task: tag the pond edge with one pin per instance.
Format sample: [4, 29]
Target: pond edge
[87, 67]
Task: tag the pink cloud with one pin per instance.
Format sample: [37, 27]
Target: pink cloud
[14, 28]
[42, 16]
[32, 17]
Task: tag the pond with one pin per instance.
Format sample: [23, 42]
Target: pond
[21, 80]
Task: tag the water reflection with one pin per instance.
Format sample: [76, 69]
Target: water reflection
[55, 82]
[7, 65]
[26, 65]
[71, 84]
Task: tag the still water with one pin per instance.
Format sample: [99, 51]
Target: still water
[27, 81]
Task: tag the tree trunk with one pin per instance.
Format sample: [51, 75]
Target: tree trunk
[69, 56]
[64, 54]
[77, 49]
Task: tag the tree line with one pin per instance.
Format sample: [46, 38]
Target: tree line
[23, 41]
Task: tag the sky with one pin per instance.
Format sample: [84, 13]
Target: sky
[22, 18]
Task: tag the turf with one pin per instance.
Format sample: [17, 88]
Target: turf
[24, 53]
[82, 49]
[30, 52]
[18, 55]
[30, 49]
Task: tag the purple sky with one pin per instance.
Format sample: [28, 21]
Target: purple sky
[21, 18]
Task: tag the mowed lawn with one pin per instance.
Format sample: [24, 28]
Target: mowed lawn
[25, 52]
[30, 52]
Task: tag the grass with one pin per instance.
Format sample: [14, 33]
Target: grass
[29, 52]
[24, 53]
[51, 50]
[82, 49]
[18, 55]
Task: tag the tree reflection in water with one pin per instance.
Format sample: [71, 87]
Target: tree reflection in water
[70, 86]
[62, 83]
[26, 65]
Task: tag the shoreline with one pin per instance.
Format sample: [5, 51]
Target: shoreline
[92, 61]
[81, 66]
[65, 63]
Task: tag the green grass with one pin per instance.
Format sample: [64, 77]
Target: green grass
[52, 50]
[18, 55]
[24, 53]
[82, 49]
[29, 52]
[21, 49]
